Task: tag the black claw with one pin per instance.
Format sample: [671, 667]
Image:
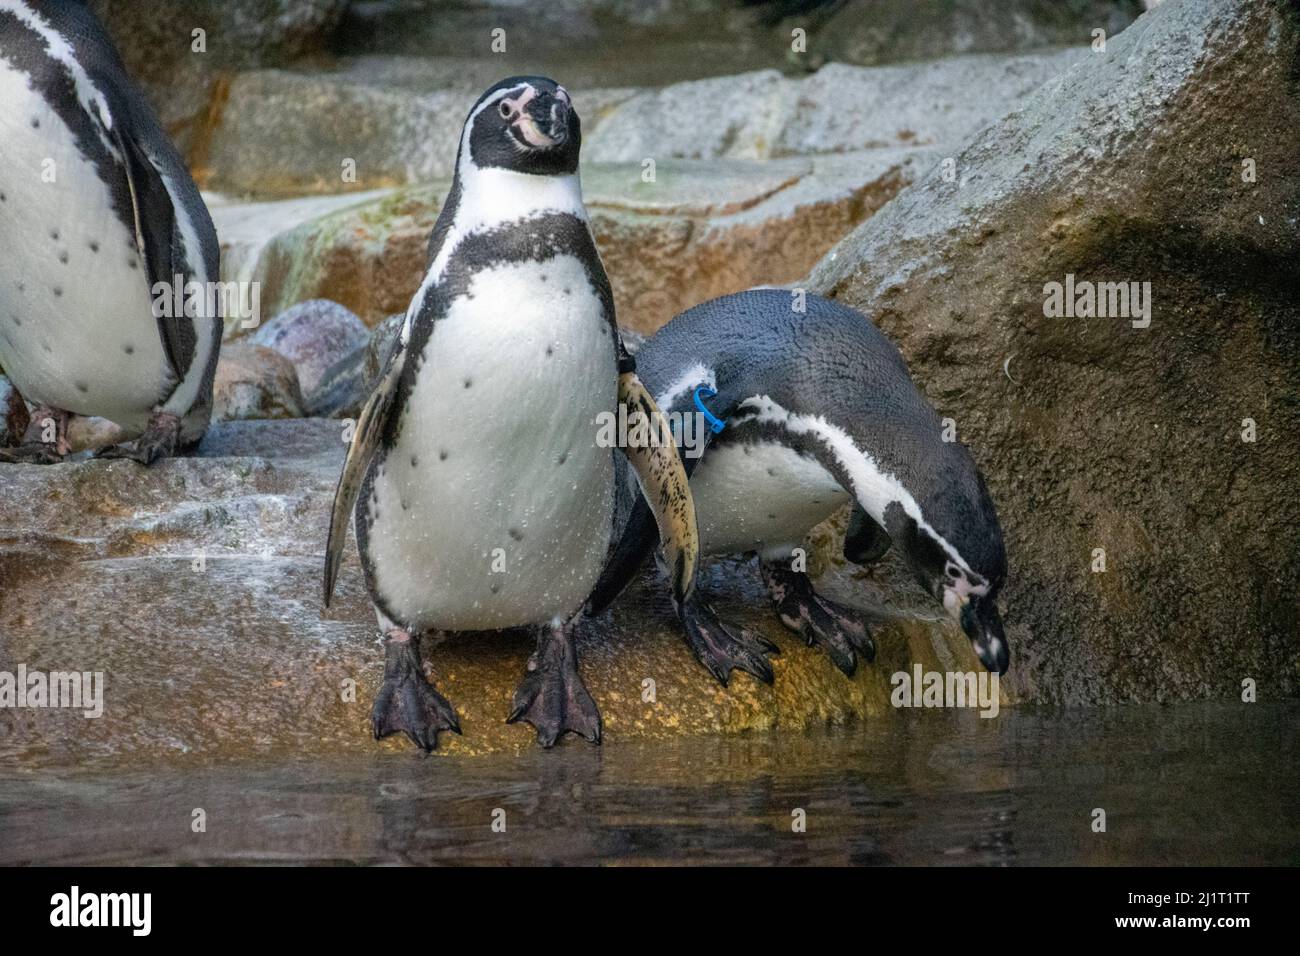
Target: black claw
[721, 651]
[408, 703]
[551, 697]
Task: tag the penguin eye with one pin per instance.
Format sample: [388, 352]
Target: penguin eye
[505, 110]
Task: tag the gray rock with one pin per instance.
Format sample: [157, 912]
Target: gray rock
[838, 109]
[287, 133]
[890, 31]
[347, 384]
[344, 387]
[284, 132]
[253, 381]
[1099, 435]
[314, 335]
[655, 43]
[157, 44]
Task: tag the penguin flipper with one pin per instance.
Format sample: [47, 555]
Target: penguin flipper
[365, 438]
[665, 492]
[157, 237]
[641, 533]
[865, 541]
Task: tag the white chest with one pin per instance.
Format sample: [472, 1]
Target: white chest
[764, 497]
[494, 507]
[76, 327]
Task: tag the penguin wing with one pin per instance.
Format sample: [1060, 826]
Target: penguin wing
[645, 527]
[365, 438]
[158, 238]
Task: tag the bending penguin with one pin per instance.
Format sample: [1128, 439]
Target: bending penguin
[96, 207]
[483, 498]
[816, 410]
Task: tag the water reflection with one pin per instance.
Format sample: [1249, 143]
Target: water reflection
[1200, 783]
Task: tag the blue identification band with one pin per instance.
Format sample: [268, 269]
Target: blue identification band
[717, 424]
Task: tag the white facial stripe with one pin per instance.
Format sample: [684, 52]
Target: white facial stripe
[873, 487]
[490, 197]
[58, 48]
[693, 377]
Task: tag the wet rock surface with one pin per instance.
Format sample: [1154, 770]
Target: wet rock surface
[1141, 164]
[195, 587]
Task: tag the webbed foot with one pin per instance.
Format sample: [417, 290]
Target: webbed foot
[406, 701]
[551, 695]
[159, 440]
[719, 649]
[820, 620]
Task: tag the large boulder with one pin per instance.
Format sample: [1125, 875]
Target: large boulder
[838, 109]
[889, 31]
[699, 229]
[378, 124]
[1170, 450]
[643, 42]
[183, 74]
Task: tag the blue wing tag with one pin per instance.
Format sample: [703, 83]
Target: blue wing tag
[715, 423]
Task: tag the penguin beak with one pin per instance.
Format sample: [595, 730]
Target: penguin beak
[983, 625]
[544, 120]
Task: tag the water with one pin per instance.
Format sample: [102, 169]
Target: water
[1189, 784]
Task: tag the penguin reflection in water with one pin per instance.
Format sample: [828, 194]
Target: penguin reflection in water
[818, 411]
[96, 206]
[483, 499]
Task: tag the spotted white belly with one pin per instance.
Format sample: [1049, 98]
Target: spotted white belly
[763, 497]
[494, 508]
[76, 328]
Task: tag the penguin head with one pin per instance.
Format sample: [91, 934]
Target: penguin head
[964, 569]
[525, 124]
[979, 618]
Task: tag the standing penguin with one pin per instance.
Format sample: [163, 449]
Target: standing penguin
[485, 497]
[96, 207]
[817, 409]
